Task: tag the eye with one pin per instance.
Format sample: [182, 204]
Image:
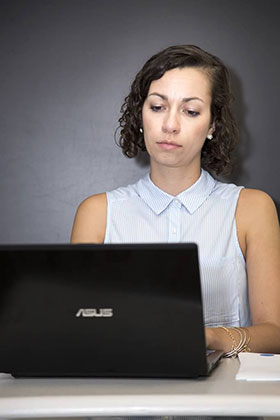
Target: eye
[156, 108]
[192, 113]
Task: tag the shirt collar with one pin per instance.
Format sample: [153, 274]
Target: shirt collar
[192, 198]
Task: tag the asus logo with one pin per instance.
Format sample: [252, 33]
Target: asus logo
[95, 313]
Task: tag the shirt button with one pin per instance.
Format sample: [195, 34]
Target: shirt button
[177, 203]
[174, 231]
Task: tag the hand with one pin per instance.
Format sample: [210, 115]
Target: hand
[217, 339]
[208, 337]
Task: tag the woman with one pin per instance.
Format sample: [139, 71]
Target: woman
[179, 111]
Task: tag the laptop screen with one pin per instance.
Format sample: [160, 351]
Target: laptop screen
[101, 310]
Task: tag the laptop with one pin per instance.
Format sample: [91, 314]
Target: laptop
[102, 311]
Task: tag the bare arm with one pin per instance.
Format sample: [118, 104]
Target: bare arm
[259, 237]
[90, 220]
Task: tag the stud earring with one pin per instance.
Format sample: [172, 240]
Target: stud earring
[141, 130]
[210, 136]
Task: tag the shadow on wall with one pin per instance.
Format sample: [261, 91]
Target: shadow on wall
[277, 204]
[244, 147]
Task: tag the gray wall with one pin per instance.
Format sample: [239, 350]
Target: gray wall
[66, 66]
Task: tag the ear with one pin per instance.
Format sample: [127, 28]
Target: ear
[211, 128]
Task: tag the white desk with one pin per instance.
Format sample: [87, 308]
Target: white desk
[220, 394]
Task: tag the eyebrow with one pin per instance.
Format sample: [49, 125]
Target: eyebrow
[165, 98]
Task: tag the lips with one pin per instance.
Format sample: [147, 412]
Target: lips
[168, 145]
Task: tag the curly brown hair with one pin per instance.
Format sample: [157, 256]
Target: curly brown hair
[216, 155]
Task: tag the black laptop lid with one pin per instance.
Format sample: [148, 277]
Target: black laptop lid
[101, 310]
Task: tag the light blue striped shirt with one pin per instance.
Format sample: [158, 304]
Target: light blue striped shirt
[204, 214]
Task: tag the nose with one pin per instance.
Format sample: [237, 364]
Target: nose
[171, 123]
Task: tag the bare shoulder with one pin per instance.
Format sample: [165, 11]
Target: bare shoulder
[257, 220]
[258, 225]
[90, 220]
[255, 205]
[94, 202]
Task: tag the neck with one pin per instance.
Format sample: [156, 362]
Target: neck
[174, 180]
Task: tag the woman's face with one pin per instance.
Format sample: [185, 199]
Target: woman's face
[177, 118]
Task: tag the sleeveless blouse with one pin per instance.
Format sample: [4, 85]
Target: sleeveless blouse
[203, 214]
